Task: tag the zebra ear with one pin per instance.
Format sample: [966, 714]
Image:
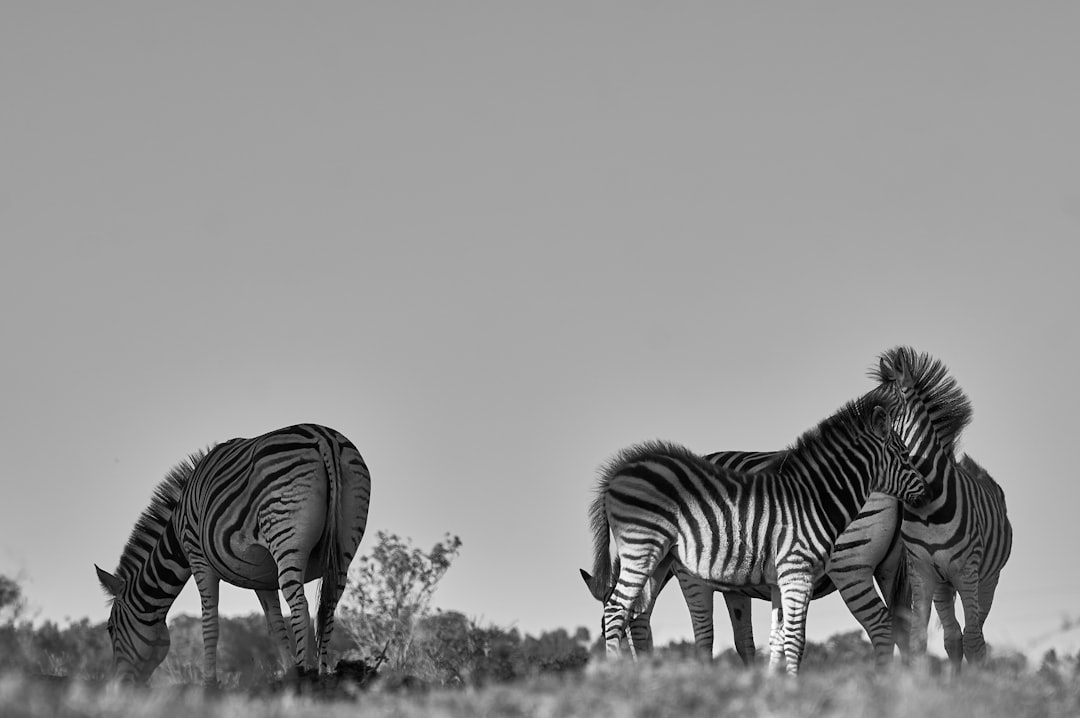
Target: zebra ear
[589, 583]
[885, 371]
[881, 421]
[112, 584]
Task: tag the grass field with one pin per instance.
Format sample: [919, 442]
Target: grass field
[603, 689]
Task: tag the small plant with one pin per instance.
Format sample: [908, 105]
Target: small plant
[390, 591]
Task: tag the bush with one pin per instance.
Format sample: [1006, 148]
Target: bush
[390, 592]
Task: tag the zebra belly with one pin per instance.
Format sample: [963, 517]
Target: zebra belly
[723, 576]
[252, 568]
[250, 563]
[259, 570]
[944, 565]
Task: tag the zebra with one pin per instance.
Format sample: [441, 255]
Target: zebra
[869, 548]
[665, 506]
[960, 540]
[267, 513]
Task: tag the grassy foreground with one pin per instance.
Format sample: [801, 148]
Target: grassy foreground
[603, 689]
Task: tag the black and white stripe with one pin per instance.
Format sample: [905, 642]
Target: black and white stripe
[959, 542]
[869, 548]
[665, 507]
[267, 513]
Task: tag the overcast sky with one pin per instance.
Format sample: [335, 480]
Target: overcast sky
[494, 243]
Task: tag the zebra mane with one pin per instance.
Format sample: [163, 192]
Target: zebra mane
[645, 449]
[973, 468]
[975, 471]
[850, 419]
[636, 452]
[151, 523]
[942, 396]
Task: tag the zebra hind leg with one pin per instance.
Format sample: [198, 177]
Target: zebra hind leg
[987, 588]
[640, 636]
[922, 595]
[776, 633]
[292, 565]
[945, 606]
[973, 641]
[633, 575]
[330, 594]
[742, 627]
[699, 599]
[640, 630]
[208, 584]
[896, 588]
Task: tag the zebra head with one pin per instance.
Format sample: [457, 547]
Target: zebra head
[896, 474]
[599, 592]
[638, 630]
[140, 642]
[936, 409]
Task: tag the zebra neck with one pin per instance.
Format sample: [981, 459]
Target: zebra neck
[921, 441]
[160, 577]
[932, 460]
[942, 478]
[837, 490]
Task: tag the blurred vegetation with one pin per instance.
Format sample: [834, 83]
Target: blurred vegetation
[385, 621]
[423, 654]
[606, 689]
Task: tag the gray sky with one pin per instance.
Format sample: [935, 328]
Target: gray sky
[495, 243]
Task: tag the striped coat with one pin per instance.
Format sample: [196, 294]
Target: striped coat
[960, 541]
[869, 548]
[660, 505]
[267, 513]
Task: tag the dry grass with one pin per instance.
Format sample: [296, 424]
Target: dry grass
[603, 690]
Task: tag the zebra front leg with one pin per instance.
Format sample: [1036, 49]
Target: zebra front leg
[795, 591]
[275, 624]
[742, 627]
[208, 585]
[862, 600]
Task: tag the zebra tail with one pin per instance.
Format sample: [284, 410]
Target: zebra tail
[602, 569]
[900, 602]
[331, 563]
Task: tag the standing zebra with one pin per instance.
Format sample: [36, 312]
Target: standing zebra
[267, 513]
[870, 547]
[959, 541]
[663, 504]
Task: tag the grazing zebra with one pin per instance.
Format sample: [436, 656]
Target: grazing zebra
[663, 505]
[267, 513]
[869, 548]
[959, 541]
